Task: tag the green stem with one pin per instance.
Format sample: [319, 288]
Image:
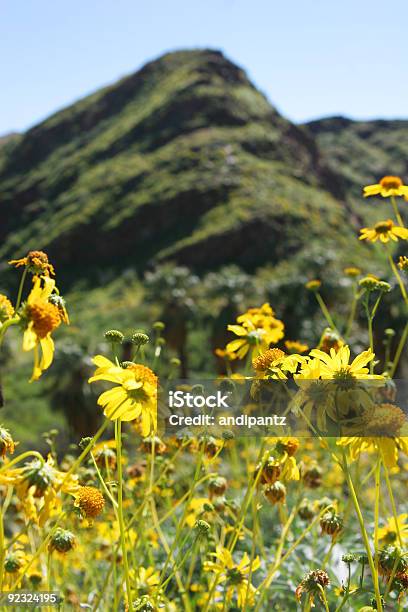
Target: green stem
[326, 312]
[363, 531]
[396, 211]
[399, 350]
[10, 464]
[20, 289]
[118, 438]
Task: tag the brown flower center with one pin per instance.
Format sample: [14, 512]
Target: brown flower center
[383, 227]
[391, 182]
[45, 317]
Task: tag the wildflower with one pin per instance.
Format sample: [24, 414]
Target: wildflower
[147, 445]
[6, 309]
[90, 501]
[217, 486]
[306, 510]
[146, 580]
[352, 271]
[6, 442]
[384, 231]
[313, 285]
[387, 187]
[105, 454]
[294, 346]
[330, 339]
[403, 263]
[14, 561]
[41, 318]
[257, 330]
[62, 541]
[224, 354]
[392, 559]
[331, 523]
[275, 493]
[312, 476]
[390, 530]
[288, 446]
[275, 363]
[36, 262]
[235, 575]
[134, 396]
[202, 527]
[335, 366]
[387, 448]
[39, 480]
[313, 583]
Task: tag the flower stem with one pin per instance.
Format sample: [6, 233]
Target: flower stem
[396, 211]
[118, 438]
[363, 531]
[326, 312]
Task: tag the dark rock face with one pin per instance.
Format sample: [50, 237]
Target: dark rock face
[183, 160]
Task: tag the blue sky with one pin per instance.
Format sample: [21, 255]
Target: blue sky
[310, 57]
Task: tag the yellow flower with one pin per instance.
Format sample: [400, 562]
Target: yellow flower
[90, 501]
[6, 309]
[294, 346]
[387, 448]
[389, 532]
[274, 363]
[313, 285]
[37, 485]
[35, 262]
[384, 231]
[336, 364]
[224, 354]
[352, 271]
[41, 318]
[235, 575]
[388, 186]
[257, 330]
[135, 395]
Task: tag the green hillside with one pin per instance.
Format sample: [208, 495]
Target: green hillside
[186, 163]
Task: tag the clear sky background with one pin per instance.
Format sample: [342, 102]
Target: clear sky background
[310, 57]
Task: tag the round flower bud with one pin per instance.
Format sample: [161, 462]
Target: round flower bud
[158, 326]
[349, 558]
[175, 362]
[217, 486]
[312, 477]
[202, 527]
[140, 339]
[35, 579]
[147, 445]
[369, 283]
[62, 541]
[271, 471]
[90, 501]
[275, 493]
[306, 511]
[14, 561]
[313, 285]
[84, 442]
[114, 336]
[331, 523]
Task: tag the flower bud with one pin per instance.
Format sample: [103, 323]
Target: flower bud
[62, 541]
[275, 493]
[140, 339]
[114, 336]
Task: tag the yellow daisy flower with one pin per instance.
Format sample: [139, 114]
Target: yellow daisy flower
[390, 530]
[387, 187]
[294, 346]
[133, 397]
[384, 231]
[335, 365]
[388, 448]
[235, 575]
[257, 330]
[41, 317]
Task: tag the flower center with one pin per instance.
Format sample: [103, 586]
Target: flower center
[45, 317]
[143, 373]
[383, 227]
[234, 576]
[391, 182]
